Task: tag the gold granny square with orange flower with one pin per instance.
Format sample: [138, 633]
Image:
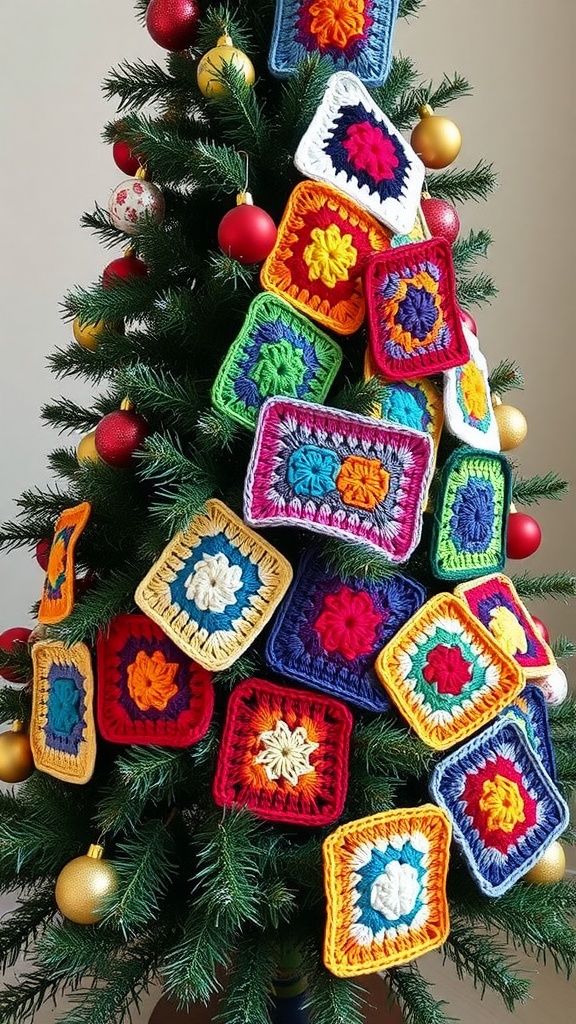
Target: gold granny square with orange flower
[446, 673]
[324, 242]
[58, 594]
[385, 881]
[62, 730]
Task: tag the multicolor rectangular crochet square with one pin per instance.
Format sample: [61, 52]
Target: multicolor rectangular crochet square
[284, 754]
[330, 628]
[148, 689]
[468, 403]
[414, 325]
[277, 352]
[324, 242]
[446, 673]
[495, 601]
[214, 587]
[530, 712]
[413, 403]
[352, 145]
[57, 599]
[62, 730]
[336, 473]
[471, 515]
[385, 882]
[505, 809]
[353, 34]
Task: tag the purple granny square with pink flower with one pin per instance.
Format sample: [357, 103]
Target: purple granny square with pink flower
[338, 474]
[331, 627]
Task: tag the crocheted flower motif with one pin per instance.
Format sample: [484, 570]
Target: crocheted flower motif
[151, 681]
[395, 892]
[280, 370]
[64, 702]
[336, 23]
[370, 149]
[56, 571]
[506, 629]
[497, 801]
[348, 623]
[404, 404]
[447, 668]
[362, 482]
[415, 316]
[472, 520]
[473, 387]
[502, 804]
[213, 583]
[286, 753]
[312, 471]
[330, 255]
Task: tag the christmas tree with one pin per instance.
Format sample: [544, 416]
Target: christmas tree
[294, 723]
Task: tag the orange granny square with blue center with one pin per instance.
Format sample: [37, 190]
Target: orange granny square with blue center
[58, 595]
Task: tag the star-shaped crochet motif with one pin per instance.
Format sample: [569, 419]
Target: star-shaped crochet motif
[286, 753]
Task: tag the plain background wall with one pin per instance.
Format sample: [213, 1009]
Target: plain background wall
[519, 56]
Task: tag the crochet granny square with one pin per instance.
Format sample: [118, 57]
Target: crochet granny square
[351, 34]
[277, 352]
[471, 514]
[530, 712]
[467, 401]
[148, 690]
[57, 599]
[324, 242]
[410, 403]
[446, 673]
[505, 809]
[214, 587]
[495, 601]
[340, 474]
[352, 145]
[284, 754]
[414, 325]
[62, 731]
[385, 882]
[330, 628]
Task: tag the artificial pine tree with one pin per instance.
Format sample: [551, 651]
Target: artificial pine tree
[275, 782]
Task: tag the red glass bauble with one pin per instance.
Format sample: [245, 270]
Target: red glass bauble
[468, 321]
[541, 628]
[42, 553]
[523, 536]
[125, 159]
[123, 269]
[247, 233]
[18, 634]
[173, 23]
[119, 435]
[442, 219]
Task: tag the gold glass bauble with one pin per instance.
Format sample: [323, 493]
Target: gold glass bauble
[550, 868]
[435, 139]
[86, 448]
[88, 335]
[512, 426]
[16, 761]
[212, 63]
[83, 885]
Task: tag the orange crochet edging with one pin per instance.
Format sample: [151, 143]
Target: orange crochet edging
[446, 673]
[396, 859]
[58, 595]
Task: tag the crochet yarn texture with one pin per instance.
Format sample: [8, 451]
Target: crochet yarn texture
[62, 730]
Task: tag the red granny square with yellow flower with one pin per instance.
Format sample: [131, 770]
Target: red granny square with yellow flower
[414, 325]
[324, 242]
[58, 594]
[284, 754]
[149, 691]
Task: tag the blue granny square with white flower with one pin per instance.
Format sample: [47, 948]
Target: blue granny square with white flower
[278, 352]
[530, 712]
[214, 587]
[331, 627]
[352, 34]
[471, 514]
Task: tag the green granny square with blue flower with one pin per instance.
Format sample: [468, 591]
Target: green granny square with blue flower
[277, 352]
[469, 534]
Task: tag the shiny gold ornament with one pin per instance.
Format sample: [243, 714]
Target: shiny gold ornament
[435, 139]
[88, 335]
[512, 426]
[212, 63]
[550, 868]
[83, 885]
[16, 762]
[86, 448]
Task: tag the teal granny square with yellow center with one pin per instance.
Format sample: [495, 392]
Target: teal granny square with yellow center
[277, 352]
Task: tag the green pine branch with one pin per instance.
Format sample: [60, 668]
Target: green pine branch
[467, 251]
[531, 490]
[99, 223]
[164, 144]
[359, 396]
[221, 19]
[330, 1000]
[21, 1000]
[15, 703]
[414, 997]
[134, 84]
[239, 113]
[487, 962]
[405, 112]
[25, 923]
[19, 661]
[301, 97]
[475, 290]
[247, 996]
[401, 79]
[391, 749]
[563, 647]
[507, 376]
[559, 585]
[356, 560]
[145, 866]
[458, 185]
[66, 415]
[105, 599]
[122, 301]
[409, 8]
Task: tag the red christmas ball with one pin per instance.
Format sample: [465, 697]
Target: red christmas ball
[125, 159]
[469, 321]
[43, 553]
[123, 269]
[523, 536]
[247, 233]
[442, 219]
[541, 628]
[119, 435]
[18, 634]
[173, 23]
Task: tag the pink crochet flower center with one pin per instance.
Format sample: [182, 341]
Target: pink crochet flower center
[348, 623]
[370, 150]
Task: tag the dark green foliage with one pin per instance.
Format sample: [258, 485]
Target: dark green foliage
[505, 377]
[488, 963]
[414, 996]
[532, 490]
[559, 585]
[467, 251]
[563, 647]
[457, 185]
[475, 290]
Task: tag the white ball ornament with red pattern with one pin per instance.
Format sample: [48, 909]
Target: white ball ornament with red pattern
[554, 686]
[134, 204]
